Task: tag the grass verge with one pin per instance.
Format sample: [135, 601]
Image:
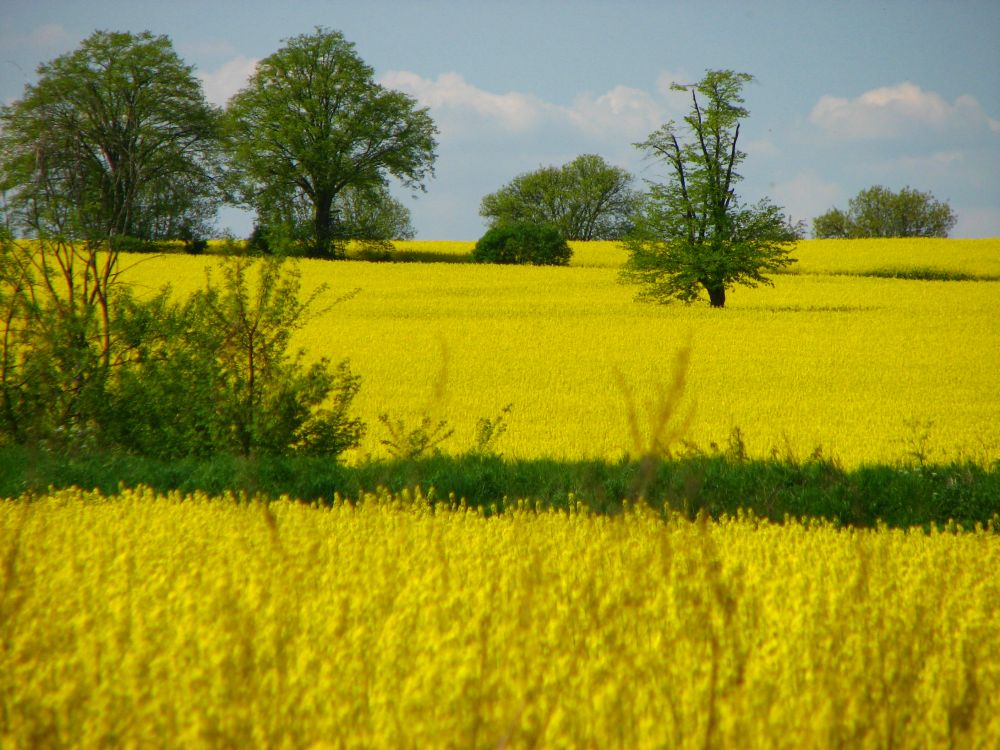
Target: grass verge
[899, 496]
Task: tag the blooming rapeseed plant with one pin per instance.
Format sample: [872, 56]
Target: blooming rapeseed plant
[860, 368]
[144, 620]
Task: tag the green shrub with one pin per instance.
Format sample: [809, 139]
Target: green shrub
[523, 243]
[257, 242]
[125, 244]
[215, 374]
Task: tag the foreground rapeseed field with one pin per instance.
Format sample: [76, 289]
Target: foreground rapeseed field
[389, 622]
[862, 369]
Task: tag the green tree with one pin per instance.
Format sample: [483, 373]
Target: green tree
[114, 139]
[311, 123]
[879, 212]
[586, 199]
[692, 233]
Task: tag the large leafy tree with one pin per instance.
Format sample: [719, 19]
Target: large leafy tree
[311, 123]
[879, 212]
[692, 234]
[115, 138]
[586, 199]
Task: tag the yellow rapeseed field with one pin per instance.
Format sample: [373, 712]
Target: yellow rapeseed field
[169, 621]
[862, 369]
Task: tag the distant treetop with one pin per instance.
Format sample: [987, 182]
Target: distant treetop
[585, 199]
[879, 212]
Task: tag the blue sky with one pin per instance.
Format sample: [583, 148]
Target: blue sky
[847, 94]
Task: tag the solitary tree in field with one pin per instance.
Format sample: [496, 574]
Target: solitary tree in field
[879, 212]
[586, 199]
[311, 123]
[114, 139]
[692, 234]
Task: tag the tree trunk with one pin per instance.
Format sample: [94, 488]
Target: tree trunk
[323, 227]
[716, 294]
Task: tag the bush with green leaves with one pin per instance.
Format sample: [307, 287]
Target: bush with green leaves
[58, 346]
[215, 375]
[86, 365]
[523, 243]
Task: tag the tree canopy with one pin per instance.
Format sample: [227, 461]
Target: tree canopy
[114, 139]
[586, 199]
[879, 212]
[311, 123]
[692, 233]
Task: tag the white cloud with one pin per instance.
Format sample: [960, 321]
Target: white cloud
[761, 148]
[459, 107]
[892, 111]
[228, 79]
[937, 161]
[622, 110]
[668, 78]
[50, 36]
[806, 195]
[206, 49]
[451, 94]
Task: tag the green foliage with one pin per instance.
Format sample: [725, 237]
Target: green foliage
[125, 244]
[922, 273]
[164, 403]
[257, 243]
[834, 224]
[115, 139]
[84, 365]
[373, 215]
[523, 243]
[312, 123]
[586, 199]
[193, 244]
[489, 431]
[879, 212]
[410, 443]
[58, 348]
[692, 234]
[712, 482]
[215, 375]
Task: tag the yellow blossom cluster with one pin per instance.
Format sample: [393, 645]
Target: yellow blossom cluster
[858, 368]
[392, 622]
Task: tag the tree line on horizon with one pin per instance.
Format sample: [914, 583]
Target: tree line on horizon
[116, 140]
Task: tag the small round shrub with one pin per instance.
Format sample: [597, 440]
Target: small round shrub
[523, 243]
[195, 246]
[257, 242]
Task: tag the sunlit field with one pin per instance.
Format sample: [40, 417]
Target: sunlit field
[973, 257]
[145, 621]
[852, 367]
[414, 621]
